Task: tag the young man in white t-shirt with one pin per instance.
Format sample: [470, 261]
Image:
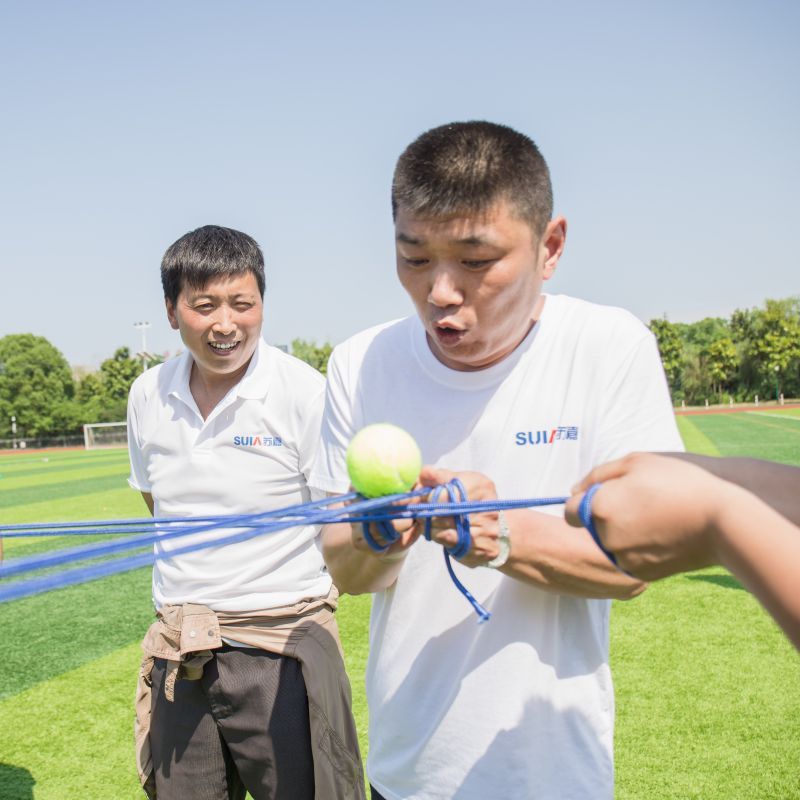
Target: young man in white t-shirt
[243, 686]
[520, 394]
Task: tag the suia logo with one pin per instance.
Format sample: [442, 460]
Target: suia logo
[257, 441]
[562, 433]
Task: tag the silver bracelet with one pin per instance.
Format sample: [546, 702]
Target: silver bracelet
[504, 542]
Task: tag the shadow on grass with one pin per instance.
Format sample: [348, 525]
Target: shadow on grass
[725, 581]
[16, 783]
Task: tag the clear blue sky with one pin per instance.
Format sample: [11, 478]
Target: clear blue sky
[672, 130]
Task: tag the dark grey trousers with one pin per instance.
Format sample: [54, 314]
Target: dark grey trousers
[242, 727]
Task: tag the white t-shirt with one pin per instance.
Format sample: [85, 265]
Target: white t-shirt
[521, 706]
[251, 454]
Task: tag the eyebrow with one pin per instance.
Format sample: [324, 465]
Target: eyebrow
[203, 295]
[473, 241]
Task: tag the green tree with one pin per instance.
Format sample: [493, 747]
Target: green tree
[776, 344]
[721, 359]
[315, 355]
[118, 373]
[102, 396]
[670, 346]
[92, 401]
[704, 332]
[36, 387]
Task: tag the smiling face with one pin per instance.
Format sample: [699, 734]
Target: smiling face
[220, 324]
[476, 280]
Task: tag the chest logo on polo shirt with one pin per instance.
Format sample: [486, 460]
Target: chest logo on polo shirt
[257, 441]
[547, 436]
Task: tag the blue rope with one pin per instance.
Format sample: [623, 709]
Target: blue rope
[137, 533]
[587, 520]
[456, 491]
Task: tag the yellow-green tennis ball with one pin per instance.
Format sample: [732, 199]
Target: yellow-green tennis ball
[383, 459]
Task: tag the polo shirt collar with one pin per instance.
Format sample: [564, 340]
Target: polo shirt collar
[255, 383]
[253, 386]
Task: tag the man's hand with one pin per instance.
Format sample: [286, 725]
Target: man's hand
[484, 527]
[654, 513]
[405, 529]
[357, 568]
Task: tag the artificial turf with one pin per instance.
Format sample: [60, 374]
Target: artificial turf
[708, 690]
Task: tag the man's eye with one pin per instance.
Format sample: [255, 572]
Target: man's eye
[478, 264]
[243, 306]
[204, 307]
[416, 262]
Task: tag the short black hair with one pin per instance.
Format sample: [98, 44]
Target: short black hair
[207, 253]
[469, 166]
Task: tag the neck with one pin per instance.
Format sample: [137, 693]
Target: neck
[209, 388]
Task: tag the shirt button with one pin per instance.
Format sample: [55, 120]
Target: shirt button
[192, 634]
[211, 633]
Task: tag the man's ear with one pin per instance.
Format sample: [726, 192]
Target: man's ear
[553, 241]
[171, 316]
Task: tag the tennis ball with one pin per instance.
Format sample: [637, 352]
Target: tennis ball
[383, 459]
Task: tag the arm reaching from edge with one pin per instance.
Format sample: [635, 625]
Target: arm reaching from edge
[661, 515]
[777, 485]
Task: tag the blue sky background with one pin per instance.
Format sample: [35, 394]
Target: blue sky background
[671, 130]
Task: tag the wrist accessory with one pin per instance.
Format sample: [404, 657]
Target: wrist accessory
[504, 541]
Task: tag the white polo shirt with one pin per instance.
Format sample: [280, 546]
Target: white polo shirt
[251, 454]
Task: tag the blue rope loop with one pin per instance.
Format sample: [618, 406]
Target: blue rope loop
[587, 520]
[456, 493]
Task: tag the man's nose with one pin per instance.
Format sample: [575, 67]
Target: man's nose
[223, 323]
[444, 289]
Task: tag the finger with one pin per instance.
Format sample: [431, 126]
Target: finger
[605, 472]
[446, 537]
[434, 476]
[571, 514]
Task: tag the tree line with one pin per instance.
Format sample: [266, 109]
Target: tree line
[755, 352]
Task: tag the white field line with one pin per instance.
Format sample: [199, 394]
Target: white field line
[777, 416]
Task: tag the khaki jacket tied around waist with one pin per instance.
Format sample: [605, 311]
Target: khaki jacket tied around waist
[186, 635]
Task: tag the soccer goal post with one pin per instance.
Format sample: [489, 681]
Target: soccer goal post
[105, 434]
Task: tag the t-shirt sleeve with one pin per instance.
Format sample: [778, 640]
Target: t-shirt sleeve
[329, 472]
[308, 441]
[637, 410]
[138, 477]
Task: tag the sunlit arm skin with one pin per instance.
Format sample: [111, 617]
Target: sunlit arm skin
[660, 515]
[777, 485]
[545, 551]
[354, 566]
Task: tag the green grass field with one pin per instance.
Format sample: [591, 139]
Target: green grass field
[708, 690]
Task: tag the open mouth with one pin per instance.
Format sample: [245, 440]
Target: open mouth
[448, 336]
[223, 348]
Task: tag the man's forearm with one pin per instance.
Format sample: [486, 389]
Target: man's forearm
[355, 571]
[548, 553]
[763, 550]
[778, 485]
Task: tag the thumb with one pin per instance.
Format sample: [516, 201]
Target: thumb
[433, 476]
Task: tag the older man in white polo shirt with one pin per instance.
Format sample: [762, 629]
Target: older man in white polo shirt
[243, 679]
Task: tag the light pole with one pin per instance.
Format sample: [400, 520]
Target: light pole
[143, 326]
[777, 384]
[14, 432]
